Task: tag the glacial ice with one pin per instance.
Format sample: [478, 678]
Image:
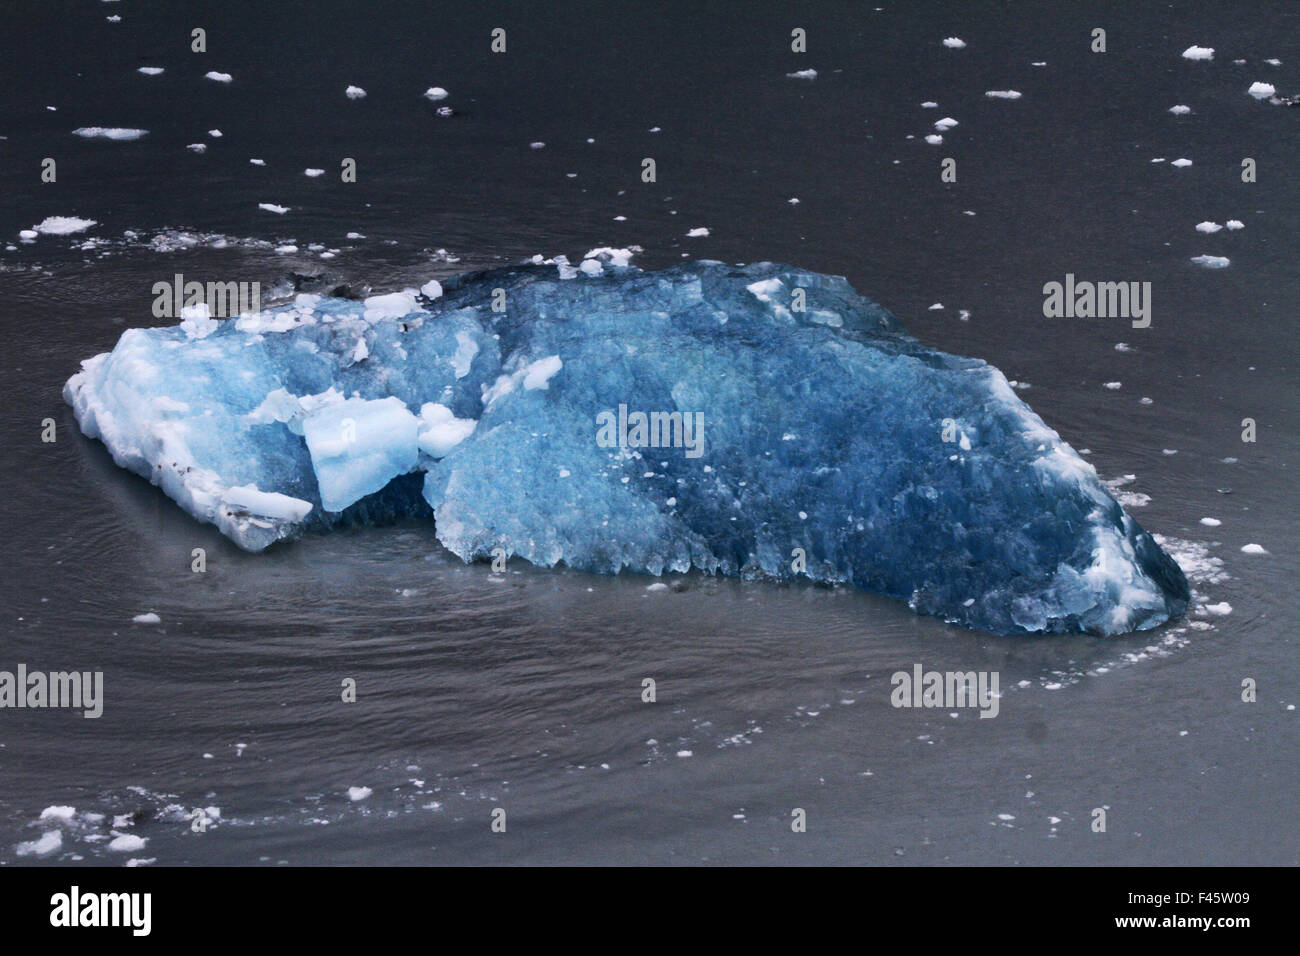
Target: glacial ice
[829, 445]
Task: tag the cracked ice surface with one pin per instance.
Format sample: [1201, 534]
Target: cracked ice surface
[821, 429]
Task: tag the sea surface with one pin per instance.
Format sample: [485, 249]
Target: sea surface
[522, 692]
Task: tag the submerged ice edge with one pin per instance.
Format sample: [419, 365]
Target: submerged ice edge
[757, 421]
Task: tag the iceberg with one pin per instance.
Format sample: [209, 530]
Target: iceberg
[759, 421]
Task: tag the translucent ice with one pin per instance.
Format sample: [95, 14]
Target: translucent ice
[761, 421]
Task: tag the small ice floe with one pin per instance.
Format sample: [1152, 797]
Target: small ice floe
[359, 793]
[1144, 401]
[60, 226]
[197, 147]
[435, 93]
[148, 618]
[963, 314]
[27, 235]
[354, 92]
[793, 200]
[1158, 159]
[446, 111]
[1207, 226]
[1039, 63]
[272, 207]
[150, 70]
[655, 129]
[685, 753]
[1212, 262]
[62, 814]
[113, 19]
[954, 43]
[1112, 385]
[1181, 162]
[1003, 94]
[1253, 549]
[1123, 347]
[47, 844]
[1199, 53]
[127, 843]
[218, 77]
[109, 132]
[1261, 90]
[257, 162]
[934, 139]
[945, 124]
[929, 105]
[1273, 61]
[313, 173]
[215, 133]
[1180, 110]
[1211, 522]
[698, 232]
[657, 586]
[1235, 224]
[286, 250]
[1222, 609]
[537, 145]
[803, 75]
[936, 307]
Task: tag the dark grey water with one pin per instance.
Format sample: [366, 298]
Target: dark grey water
[524, 691]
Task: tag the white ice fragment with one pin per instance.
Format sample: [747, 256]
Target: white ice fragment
[697, 232]
[954, 43]
[354, 92]
[1180, 110]
[272, 207]
[1235, 224]
[149, 618]
[60, 813]
[150, 70]
[218, 77]
[1211, 262]
[1181, 162]
[1253, 549]
[540, 372]
[441, 430]
[934, 139]
[268, 504]
[1208, 227]
[1198, 53]
[1211, 522]
[1003, 94]
[945, 124]
[1261, 90]
[63, 225]
[359, 793]
[48, 843]
[803, 75]
[109, 132]
[435, 93]
[313, 173]
[432, 289]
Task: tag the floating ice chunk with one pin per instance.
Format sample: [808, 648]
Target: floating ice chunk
[945, 124]
[267, 504]
[803, 75]
[394, 305]
[954, 43]
[313, 173]
[1261, 90]
[48, 842]
[27, 234]
[934, 139]
[358, 446]
[1180, 163]
[431, 289]
[1199, 53]
[435, 93]
[698, 232]
[936, 307]
[62, 814]
[354, 92]
[63, 225]
[215, 133]
[359, 793]
[109, 132]
[150, 70]
[929, 105]
[1222, 609]
[218, 77]
[1253, 549]
[197, 147]
[1180, 110]
[1208, 227]
[149, 618]
[1003, 94]
[1211, 522]
[1235, 224]
[441, 430]
[1016, 536]
[127, 843]
[537, 145]
[272, 207]
[1212, 262]
[1112, 385]
[258, 162]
